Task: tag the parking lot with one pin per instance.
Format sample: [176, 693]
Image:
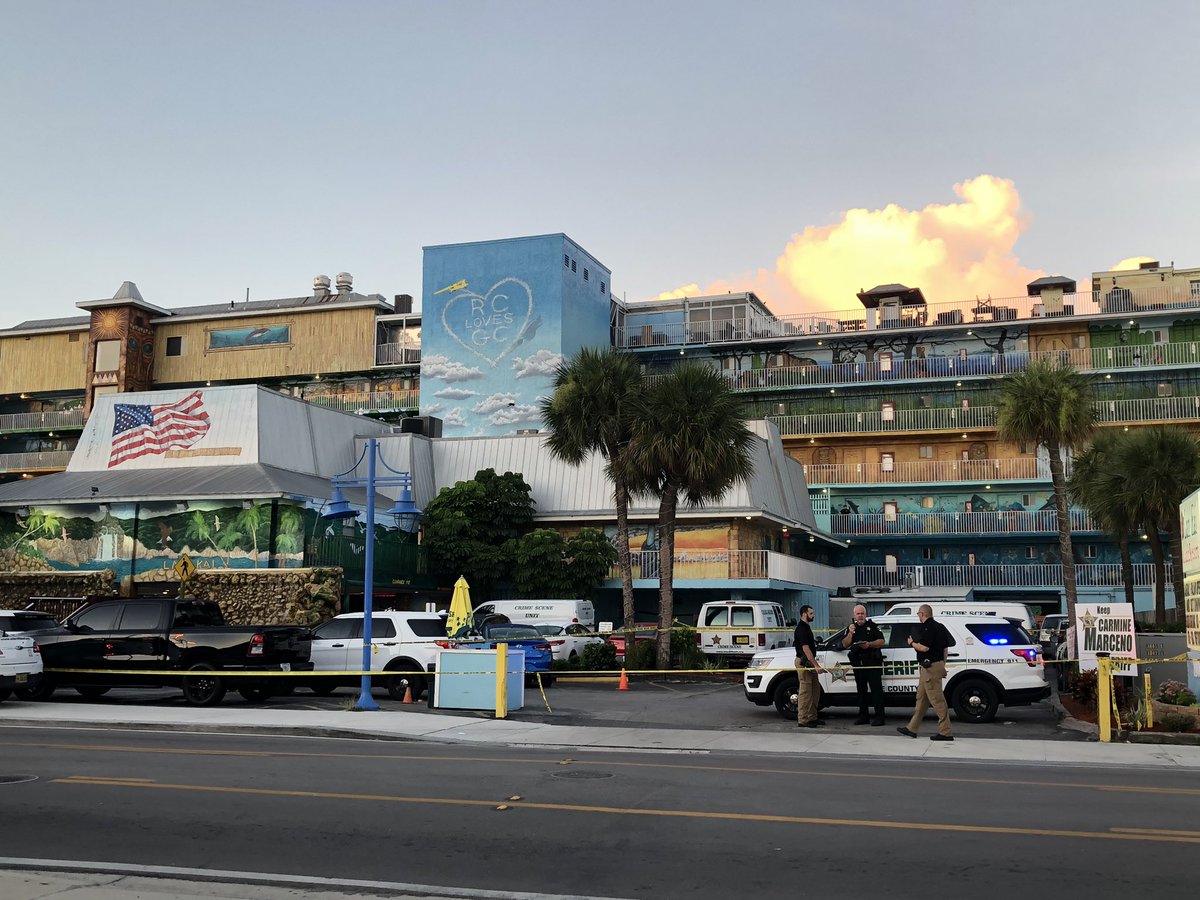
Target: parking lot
[651, 702]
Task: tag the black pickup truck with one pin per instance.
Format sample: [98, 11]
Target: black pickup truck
[117, 640]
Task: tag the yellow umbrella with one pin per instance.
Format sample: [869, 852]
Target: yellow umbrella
[460, 608]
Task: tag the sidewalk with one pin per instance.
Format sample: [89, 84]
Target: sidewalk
[471, 730]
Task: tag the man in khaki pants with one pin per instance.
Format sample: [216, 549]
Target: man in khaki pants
[932, 642]
[807, 669]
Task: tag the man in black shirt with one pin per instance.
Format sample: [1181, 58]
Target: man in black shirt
[807, 669]
[932, 642]
[865, 641]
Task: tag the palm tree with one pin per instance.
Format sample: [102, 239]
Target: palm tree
[591, 411]
[689, 438]
[1098, 483]
[250, 520]
[1050, 405]
[1161, 470]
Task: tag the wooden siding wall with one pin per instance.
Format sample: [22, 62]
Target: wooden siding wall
[325, 341]
[43, 362]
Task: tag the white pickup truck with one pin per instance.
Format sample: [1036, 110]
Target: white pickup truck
[994, 661]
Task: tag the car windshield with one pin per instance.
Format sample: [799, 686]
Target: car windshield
[1001, 634]
[23, 621]
[512, 633]
[548, 629]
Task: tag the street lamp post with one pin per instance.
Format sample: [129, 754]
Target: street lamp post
[407, 517]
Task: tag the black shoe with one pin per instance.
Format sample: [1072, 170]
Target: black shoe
[904, 731]
[877, 721]
[939, 737]
[812, 724]
[822, 722]
[861, 720]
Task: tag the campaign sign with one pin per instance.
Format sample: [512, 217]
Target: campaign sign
[1106, 628]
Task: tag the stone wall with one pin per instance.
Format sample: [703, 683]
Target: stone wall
[18, 588]
[265, 596]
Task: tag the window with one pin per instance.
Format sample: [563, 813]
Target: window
[1031, 553]
[887, 462]
[717, 617]
[382, 628]
[926, 451]
[1079, 342]
[970, 559]
[1026, 500]
[887, 411]
[1195, 286]
[927, 553]
[889, 511]
[885, 362]
[108, 356]
[430, 628]
[742, 617]
[898, 639]
[141, 616]
[175, 346]
[73, 337]
[962, 355]
[966, 405]
[100, 618]
[1165, 389]
[1003, 634]
[926, 503]
[585, 273]
[1089, 551]
[337, 629]
[925, 402]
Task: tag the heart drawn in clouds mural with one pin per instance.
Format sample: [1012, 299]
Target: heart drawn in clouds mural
[489, 325]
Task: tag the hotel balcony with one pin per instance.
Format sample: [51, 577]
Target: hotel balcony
[42, 421]
[906, 421]
[1095, 359]
[1032, 575]
[41, 461]
[1042, 521]
[405, 353]
[929, 471]
[953, 314]
[736, 565]
[367, 401]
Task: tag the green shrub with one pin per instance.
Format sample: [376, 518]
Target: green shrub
[1176, 693]
[1085, 688]
[684, 652]
[599, 657]
[564, 665]
[641, 656]
[1176, 722]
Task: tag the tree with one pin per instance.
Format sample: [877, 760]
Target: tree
[1099, 484]
[547, 566]
[1160, 464]
[467, 527]
[251, 520]
[1051, 406]
[592, 411]
[689, 439]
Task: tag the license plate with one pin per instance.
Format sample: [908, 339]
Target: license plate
[741, 639]
[285, 667]
[22, 677]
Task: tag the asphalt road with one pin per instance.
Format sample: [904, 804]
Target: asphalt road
[649, 703]
[602, 824]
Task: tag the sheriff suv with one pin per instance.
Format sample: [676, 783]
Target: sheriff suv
[994, 662]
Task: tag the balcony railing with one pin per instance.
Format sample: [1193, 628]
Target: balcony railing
[929, 471]
[401, 354]
[1152, 409]
[954, 313]
[367, 401]
[726, 565]
[42, 421]
[1032, 575]
[974, 365]
[1042, 521]
[45, 460]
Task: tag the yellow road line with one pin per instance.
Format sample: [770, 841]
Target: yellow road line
[1195, 834]
[599, 761]
[1112, 835]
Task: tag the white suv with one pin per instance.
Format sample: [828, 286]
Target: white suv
[403, 644]
[995, 661]
[20, 663]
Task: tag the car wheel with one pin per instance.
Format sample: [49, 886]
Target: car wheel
[91, 691]
[40, 691]
[201, 687]
[324, 687]
[401, 680]
[787, 693]
[574, 656]
[258, 693]
[976, 700]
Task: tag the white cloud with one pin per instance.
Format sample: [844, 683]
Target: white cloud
[455, 393]
[495, 402]
[544, 362]
[432, 409]
[448, 370]
[515, 415]
[454, 418]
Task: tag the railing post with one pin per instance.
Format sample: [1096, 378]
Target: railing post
[502, 680]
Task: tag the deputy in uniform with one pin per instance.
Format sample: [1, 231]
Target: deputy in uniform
[865, 642]
[932, 642]
[807, 669]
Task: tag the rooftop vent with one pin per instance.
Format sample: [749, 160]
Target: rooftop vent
[403, 303]
[344, 282]
[321, 286]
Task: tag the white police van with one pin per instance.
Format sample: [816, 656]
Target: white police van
[994, 662]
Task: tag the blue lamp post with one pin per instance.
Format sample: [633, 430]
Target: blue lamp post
[407, 517]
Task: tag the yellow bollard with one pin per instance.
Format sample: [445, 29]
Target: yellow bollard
[502, 681]
[1104, 695]
[1149, 702]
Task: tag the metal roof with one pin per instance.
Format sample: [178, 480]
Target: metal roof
[66, 322]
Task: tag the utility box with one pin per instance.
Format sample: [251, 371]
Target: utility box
[466, 679]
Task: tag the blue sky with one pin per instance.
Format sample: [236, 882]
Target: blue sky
[203, 149]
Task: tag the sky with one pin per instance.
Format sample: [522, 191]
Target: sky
[802, 150]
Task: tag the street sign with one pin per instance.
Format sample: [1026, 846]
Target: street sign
[184, 567]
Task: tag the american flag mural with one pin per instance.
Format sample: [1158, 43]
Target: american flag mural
[142, 429]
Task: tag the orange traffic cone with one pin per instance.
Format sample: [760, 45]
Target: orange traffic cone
[623, 684]
[407, 694]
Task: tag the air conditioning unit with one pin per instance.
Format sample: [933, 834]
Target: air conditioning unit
[430, 426]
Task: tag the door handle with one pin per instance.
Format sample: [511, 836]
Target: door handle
[952, 655]
[337, 645]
